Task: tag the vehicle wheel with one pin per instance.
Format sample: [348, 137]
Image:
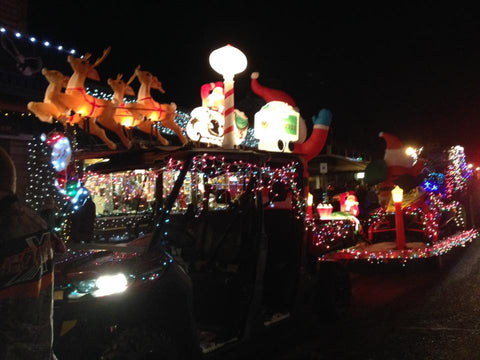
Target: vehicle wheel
[143, 343]
[334, 291]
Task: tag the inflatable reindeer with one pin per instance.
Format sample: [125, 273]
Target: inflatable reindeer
[121, 88]
[48, 110]
[146, 108]
[86, 105]
[124, 116]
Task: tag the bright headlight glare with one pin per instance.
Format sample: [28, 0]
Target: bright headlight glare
[110, 284]
[102, 286]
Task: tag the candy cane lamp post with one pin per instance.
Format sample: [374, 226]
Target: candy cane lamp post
[228, 61]
[397, 195]
[310, 206]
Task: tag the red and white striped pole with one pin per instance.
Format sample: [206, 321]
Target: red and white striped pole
[229, 115]
[228, 61]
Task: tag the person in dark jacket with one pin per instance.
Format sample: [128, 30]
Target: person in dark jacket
[26, 275]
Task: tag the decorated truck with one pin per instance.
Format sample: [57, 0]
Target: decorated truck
[187, 233]
[223, 257]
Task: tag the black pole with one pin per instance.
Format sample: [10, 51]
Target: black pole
[159, 220]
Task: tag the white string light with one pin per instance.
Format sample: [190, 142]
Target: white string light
[33, 39]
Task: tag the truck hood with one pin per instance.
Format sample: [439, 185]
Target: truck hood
[91, 261]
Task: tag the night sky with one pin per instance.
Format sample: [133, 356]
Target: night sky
[410, 70]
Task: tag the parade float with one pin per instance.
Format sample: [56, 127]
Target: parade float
[428, 220]
[87, 126]
[220, 201]
[424, 209]
[209, 198]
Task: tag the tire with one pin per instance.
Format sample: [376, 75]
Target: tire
[143, 343]
[334, 292]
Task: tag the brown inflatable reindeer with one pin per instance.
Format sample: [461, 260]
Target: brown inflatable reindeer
[48, 110]
[120, 89]
[124, 116]
[86, 105]
[146, 108]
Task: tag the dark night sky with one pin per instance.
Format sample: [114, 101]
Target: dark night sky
[410, 70]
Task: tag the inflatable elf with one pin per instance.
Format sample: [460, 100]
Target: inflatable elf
[307, 148]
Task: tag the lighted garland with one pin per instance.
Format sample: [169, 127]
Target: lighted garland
[430, 213]
[41, 178]
[124, 224]
[129, 186]
[41, 175]
[437, 249]
[332, 232]
[216, 165]
[250, 140]
[121, 188]
[45, 181]
[457, 172]
[324, 234]
[181, 119]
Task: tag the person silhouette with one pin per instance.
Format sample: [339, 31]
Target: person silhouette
[27, 248]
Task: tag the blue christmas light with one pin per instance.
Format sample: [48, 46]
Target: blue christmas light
[435, 182]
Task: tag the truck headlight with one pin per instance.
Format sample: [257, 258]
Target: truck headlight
[102, 286]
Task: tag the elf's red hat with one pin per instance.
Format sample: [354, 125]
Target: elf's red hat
[269, 94]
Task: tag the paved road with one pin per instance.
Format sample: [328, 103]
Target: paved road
[421, 311]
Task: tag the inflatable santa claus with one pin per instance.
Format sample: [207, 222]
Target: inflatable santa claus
[401, 163]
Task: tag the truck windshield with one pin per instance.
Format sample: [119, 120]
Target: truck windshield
[214, 193]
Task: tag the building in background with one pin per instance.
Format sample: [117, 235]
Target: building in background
[336, 167]
[22, 56]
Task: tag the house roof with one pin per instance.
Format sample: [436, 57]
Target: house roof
[336, 163]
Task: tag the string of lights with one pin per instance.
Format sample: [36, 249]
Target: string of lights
[458, 171]
[437, 249]
[36, 40]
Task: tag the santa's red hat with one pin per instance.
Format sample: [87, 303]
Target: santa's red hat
[395, 152]
[398, 161]
[206, 89]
